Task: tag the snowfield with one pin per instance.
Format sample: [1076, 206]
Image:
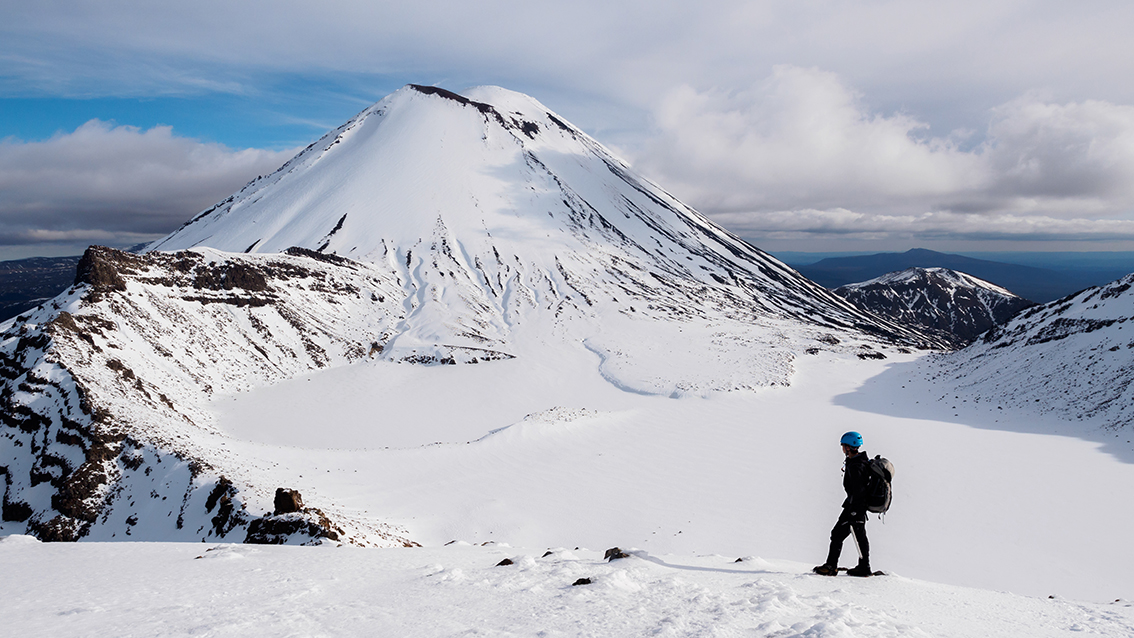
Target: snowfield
[532, 349]
[182, 589]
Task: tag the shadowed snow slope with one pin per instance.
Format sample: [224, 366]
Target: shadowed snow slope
[1074, 356]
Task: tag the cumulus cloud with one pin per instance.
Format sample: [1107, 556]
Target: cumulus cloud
[800, 152]
[116, 184]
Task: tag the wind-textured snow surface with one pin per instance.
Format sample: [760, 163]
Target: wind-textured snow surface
[953, 304]
[160, 589]
[1074, 356]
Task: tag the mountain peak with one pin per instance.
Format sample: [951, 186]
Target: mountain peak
[478, 201]
[942, 300]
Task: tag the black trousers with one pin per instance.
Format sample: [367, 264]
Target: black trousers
[849, 521]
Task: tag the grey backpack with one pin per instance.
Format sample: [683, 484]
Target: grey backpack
[880, 493]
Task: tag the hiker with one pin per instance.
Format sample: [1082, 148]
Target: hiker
[856, 482]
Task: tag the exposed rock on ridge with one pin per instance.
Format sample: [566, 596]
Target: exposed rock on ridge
[103, 392]
[954, 305]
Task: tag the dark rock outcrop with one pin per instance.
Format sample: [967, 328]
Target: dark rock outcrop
[287, 501]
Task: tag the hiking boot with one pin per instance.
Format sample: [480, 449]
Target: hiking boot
[826, 570]
[861, 571]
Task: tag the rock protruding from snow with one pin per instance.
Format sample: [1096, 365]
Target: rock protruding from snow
[287, 501]
[953, 304]
[1073, 356]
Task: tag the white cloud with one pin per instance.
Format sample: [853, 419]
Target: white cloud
[800, 151]
[116, 184]
[800, 139]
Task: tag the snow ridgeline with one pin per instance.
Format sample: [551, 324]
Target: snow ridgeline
[106, 390]
[175, 589]
[1073, 356]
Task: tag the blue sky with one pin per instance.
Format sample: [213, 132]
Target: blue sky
[277, 112]
[823, 126]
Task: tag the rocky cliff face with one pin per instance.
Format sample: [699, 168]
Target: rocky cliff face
[104, 391]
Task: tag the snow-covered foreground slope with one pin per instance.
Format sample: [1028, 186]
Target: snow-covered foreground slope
[159, 589]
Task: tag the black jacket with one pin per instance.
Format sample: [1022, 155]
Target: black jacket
[856, 481]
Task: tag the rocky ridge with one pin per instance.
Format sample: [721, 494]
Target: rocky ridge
[952, 304]
[104, 391]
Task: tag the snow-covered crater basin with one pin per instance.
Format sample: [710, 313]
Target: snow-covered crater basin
[981, 498]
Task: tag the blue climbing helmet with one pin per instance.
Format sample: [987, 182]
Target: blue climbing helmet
[853, 439]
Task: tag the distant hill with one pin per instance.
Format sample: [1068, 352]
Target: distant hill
[1037, 284]
[26, 283]
[957, 305]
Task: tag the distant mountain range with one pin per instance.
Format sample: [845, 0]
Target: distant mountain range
[1037, 284]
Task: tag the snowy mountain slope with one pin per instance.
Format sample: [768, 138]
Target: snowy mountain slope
[105, 391]
[476, 203]
[953, 304]
[174, 589]
[121, 376]
[1073, 357]
[481, 233]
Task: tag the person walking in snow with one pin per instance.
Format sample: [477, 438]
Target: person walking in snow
[856, 482]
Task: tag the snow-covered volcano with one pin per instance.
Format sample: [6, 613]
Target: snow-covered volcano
[430, 229]
[489, 209]
[953, 304]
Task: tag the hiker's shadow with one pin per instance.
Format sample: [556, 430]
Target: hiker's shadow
[695, 568]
